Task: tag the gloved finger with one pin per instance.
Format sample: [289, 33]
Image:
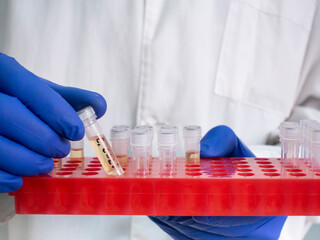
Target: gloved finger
[228, 221]
[19, 124]
[9, 182]
[221, 141]
[79, 98]
[186, 231]
[19, 160]
[168, 229]
[42, 100]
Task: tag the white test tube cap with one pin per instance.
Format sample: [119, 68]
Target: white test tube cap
[168, 136]
[140, 137]
[290, 131]
[77, 144]
[119, 132]
[146, 127]
[86, 113]
[193, 132]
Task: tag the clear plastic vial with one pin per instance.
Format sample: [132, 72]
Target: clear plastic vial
[192, 136]
[290, 144]
[150, 128]
[315, 147]
[76, 151]
[140, 141]
[99, 142]
[167, 146]
[119, 137]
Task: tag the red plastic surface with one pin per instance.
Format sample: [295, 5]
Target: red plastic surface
[220, 187]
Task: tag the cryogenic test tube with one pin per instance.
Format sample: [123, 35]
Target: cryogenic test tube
[140, 141]
[150, 128]
[99, 142]
[167, 146]
[76, 149]
[290, 144]
[119, 137]
[192, 136]
[315, 147]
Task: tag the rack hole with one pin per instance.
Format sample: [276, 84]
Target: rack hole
[192, 165]
[294, 170]
[93, 169]
[194, 173]
[219, 174]
[216, 162]
[269, 170]
[218, 170]
[74, 161]
[244, 170]
[193, 169]
[240, 162]
[298, 174]
[217, 166]
[261, 159]
[243, 166]
[94, 165]
[263, 162]
[237, 158]
[89, 173]
[272, 174]
[266, 166]
[246, 174]
[70, 165]
[95, 161]
[64, 173]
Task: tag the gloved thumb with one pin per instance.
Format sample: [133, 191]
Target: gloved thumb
[221, 141]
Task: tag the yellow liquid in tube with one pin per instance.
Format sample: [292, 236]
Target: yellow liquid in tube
[76, 153]
[123, 160]
[193, 157]
[104, 153]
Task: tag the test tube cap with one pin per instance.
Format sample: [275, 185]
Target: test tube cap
[168, 136]
[146, 127]
[140, 137]
[86, 113]
[290, 131]
[192, 131]
[77, 144]
[119, 132]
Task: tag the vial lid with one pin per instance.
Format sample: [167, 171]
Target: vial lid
[149, 127]
[290, 131]
[140, 137]
[192, 131]
[86, 113]
[168, 136]
[119, 132]
[77, 144]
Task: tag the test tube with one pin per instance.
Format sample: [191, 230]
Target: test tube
[119, 137]
[192, 136]
[140, 141]
[99, 142]
[167, 145]
[290, 144]
[315, 147]
[76, 149]
[150, 128]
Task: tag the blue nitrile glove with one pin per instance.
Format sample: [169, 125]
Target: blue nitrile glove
[36, 118]
[221, 141]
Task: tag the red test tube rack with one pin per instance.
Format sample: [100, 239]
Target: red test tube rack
[213, 187]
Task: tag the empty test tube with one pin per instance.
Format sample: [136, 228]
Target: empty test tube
[314, 161]
[119, 137]
[76, 149]
[290, 143]
[99, 142]
[192, 136]
[150, 128]
[167, 145]
[140, 141]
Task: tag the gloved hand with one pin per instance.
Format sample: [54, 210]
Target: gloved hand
[36, 119]
[221, 141]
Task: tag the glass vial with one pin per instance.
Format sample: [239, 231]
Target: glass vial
[99, 142]
[315, 147]
[192, 136]
[119, 137]
[167, 146]
[140, 141]
[150, 128]
[290, 144]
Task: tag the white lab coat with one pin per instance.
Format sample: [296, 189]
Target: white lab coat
[248, 64]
